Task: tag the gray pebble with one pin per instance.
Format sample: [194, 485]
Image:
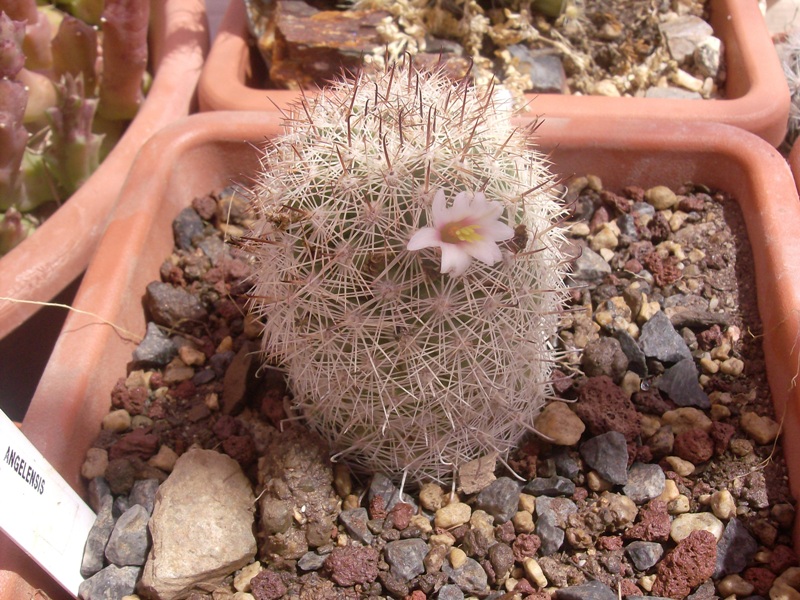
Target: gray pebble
[637, 361]
[566, 466]
[645, 482]
[129, 541]
[94, 550]
[98, 491]
[355, 522]
[311, 561]
[644, 554]
[500, 499]
[155, 349]
[608, 455]
[680, 383]
[604, 356]
[549, 486]
[593, 590]
[544, 68]
[590, 266]
[735, 549]
[661, 341]
[112, 583]
[549, 533]
[470, 577]
[143, 493]
[186, 227]
[382, 486]
[405, 558]
[171, 306]
[450, 592]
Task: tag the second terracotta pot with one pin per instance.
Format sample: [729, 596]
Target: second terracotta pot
[757, 96]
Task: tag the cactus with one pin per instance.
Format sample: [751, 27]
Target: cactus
[408, 270]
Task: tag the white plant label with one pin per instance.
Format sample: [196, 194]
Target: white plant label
[39, 511]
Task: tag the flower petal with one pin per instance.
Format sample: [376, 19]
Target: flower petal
[439, 208]
[462, 207]
[485, 251]
[426, 237]
[454, 259]
[496, 231]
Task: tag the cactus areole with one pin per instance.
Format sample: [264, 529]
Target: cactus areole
[409, 274]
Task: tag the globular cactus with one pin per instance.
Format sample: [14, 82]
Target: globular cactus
[406, 354]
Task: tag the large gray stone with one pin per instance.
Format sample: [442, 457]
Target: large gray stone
[202, 525]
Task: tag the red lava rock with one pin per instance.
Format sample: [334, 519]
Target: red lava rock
[377, 510]
[688, 565]
[694, 445]
[524, 587]
[137, 443]
[651, 401]
[782, 558]
[629, 588]
[525, 545]
[184, 390]
[157, 410]
[562, 382]
[241, 448]
[225, 426]
[653, 524]
[267, 585]
[760, 578]
[604, 407]
[659, 229]
[416, 595]
[640, 249]
[488, 568]
[609, 542]
[633, 265]
[617, 202]
[205, 206]
[349, 565]
[505, 532]
[710, 338]
[580, 494]
[599, 218]
[664, 270]
[634, 192]
[721, 434]
[691, 203]
[400, 515]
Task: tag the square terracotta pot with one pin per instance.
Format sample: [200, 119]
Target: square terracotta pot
[206, 152]
[757, 94]
[58, 252]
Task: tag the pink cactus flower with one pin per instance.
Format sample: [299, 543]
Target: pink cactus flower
[468, 229]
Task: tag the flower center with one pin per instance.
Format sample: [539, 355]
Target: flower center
[459, 232]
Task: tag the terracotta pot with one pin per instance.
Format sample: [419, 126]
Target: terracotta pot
[757, 93]
[58, 252]
[206, 152]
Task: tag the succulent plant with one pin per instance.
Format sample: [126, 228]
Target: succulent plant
[408, 270]
[60, 111]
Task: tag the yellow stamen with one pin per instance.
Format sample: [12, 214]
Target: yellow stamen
[455, 233]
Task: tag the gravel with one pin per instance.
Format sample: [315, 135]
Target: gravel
[676, 486]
